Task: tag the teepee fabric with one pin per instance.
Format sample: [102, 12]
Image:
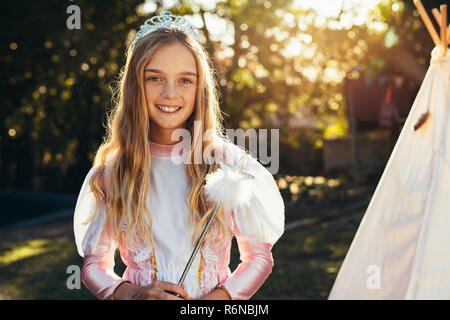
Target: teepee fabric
[402, 247]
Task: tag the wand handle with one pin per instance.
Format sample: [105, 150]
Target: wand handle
[199, 242]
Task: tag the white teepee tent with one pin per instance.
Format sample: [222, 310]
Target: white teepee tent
[402, 247]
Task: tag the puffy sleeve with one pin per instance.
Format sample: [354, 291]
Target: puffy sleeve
[95, 243]
[257, 226]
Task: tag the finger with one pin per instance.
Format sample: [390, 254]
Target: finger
[171, 287]
[152, 293]
[168, 296]
[156, 294]
[184, 297]
[187, 296]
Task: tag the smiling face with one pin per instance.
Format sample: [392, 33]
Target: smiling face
[170, 84]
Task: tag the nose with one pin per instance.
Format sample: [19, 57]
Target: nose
[169, 90]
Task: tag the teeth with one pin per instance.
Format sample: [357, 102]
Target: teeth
[167, 109]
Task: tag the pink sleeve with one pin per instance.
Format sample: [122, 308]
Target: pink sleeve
[99, 249]
[95, 243]
[256, 226]
[98, 270]
[98, 274]
[249, 276]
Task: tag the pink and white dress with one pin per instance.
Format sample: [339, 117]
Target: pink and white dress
[256, 227]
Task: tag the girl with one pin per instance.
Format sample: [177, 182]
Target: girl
[140, 198]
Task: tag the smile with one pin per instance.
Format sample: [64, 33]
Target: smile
[168, 109]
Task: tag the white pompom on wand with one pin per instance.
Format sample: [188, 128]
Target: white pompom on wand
[229, 187]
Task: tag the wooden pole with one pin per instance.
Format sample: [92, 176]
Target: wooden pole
[428, 24]
[438, 18]
[444, 30]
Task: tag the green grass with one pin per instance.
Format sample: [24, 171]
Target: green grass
[306, 263]
[307, 260]
[40, 274]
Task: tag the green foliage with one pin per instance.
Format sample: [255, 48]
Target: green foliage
[55, 88]
[56, 83]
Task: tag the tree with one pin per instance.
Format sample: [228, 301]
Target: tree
[282, 61]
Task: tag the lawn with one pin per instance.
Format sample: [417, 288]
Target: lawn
[34, 259]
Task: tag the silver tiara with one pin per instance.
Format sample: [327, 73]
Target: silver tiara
[165, 21]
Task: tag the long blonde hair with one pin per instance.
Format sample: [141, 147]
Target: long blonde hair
[123, 160]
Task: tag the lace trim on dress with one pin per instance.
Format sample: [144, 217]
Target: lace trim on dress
[209, 269]
[143, 254]
[145, 261]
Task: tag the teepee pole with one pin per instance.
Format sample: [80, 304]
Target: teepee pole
[426, 20]
[444, 29]
[437, 17]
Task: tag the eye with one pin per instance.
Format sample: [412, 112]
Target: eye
[186, 81]
[153, 79]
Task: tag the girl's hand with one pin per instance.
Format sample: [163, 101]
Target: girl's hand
[161, 290]
[217, 294]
